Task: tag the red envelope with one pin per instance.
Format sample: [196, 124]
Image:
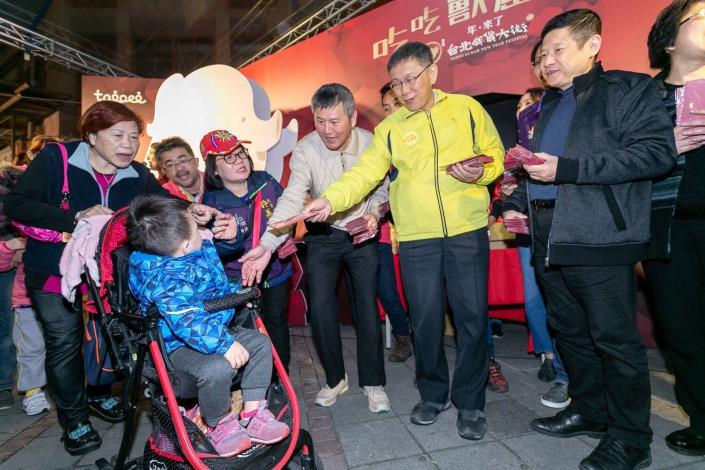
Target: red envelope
[692, 97]
[477, 160]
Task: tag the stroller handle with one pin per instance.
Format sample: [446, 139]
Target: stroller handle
[232, 300]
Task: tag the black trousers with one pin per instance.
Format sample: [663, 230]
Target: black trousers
[63, 335]
[678, 289]
[592, 310]
[326, 254]
[275, 315]
[457, 266]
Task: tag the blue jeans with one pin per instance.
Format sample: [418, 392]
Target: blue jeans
[536, 315]
[8, 356]
[387, 291]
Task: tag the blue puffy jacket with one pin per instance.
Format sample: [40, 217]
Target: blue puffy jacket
[178, 286]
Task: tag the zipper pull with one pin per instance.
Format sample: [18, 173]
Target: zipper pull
[545, 264]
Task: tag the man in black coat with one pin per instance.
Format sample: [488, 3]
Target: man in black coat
[602, 136]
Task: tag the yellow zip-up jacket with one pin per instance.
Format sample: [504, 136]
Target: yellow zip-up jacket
[426, 202]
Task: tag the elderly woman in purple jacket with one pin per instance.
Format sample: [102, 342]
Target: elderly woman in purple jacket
[232, 187]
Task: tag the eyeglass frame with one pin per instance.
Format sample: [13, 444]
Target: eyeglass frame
[229, 161]
[177, 163]
[409, 81]
[700, 13]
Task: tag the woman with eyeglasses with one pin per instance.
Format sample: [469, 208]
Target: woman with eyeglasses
[232, 187]
[676, 263]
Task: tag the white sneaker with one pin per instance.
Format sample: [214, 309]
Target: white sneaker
[35, 404]
[376, 398]
[327, 396]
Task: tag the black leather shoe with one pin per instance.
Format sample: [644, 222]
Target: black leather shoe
[684, 441]
[471, 424]
[566, 424]
[107, 408]
[425, 412]
[611, 454]
[81, 438]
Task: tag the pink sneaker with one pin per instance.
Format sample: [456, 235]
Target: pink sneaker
[263, 427]
[228, 437]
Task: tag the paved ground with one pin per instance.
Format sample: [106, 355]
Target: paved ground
[349, 436]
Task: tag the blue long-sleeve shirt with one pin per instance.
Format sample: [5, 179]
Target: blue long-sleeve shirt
[178, 287]
[553, 141]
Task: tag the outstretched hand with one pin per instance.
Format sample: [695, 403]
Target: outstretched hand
[254, 262]
[318, 210]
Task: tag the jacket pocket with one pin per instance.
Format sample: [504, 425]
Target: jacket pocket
[612, 205]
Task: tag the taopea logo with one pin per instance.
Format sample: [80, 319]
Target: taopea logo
[410, 138]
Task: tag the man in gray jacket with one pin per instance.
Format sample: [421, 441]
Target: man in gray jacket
[318, 160]
[603, 136]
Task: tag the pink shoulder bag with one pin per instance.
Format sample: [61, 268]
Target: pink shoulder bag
[44, 234]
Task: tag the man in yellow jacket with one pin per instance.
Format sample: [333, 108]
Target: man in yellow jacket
[439, 203]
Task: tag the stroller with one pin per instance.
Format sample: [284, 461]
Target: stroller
[137, 350]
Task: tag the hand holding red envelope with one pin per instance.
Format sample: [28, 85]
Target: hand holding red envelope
[477, 160]
[524, 156]
[517, 225]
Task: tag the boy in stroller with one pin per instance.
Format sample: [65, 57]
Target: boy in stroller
[173, 268]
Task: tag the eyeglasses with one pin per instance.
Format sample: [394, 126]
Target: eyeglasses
[409, 81]
[183, 161]
[231, 158]
[698, 15]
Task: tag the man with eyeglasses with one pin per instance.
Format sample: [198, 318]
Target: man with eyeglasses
[439, 199]
[178, 163]
[318, 160]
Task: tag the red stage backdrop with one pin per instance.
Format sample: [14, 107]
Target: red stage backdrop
[483, 46]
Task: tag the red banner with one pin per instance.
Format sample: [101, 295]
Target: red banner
[482, 46]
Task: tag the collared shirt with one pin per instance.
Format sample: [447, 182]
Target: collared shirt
[313, 168]
[176, 190]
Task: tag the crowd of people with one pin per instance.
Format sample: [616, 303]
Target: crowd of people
[621, 182]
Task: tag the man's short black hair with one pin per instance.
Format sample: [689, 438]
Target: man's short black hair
[582, 24]
[329, 95]
[158, 224]
[170, 143]
[664, 31]
[411, 50]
